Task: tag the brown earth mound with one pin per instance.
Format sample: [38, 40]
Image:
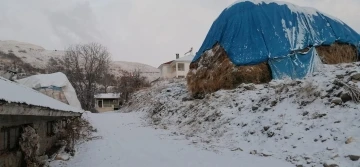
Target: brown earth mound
[214, 71]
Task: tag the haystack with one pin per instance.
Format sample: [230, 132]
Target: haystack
[282, 39]
[214, 71]
[337, 53]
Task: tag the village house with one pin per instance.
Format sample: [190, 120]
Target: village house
[107, 102]
[24, 112]
[177, 68]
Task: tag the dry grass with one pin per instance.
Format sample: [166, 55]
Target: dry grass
[337, 53]
[214, 71]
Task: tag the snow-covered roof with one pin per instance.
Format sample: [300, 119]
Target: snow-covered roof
[15, 93]
[187, 58]
[56, 79]
[45, 80]
[107, 96]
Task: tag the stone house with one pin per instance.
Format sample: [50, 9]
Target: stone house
[21, 109]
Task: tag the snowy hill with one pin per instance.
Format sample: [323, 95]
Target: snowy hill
[307, 122]
[35, 55]
[38, 57]
[150, 72]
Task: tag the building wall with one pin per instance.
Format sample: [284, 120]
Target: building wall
[14, 157]
[168, 71]
[106, 106]
[186, 69]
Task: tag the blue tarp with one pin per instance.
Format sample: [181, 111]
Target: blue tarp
[295, 66]
[254, 33]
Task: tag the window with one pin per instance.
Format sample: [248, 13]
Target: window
[181, 67]
[50, 128]
[63, 123]
[3, 140]
[9, 138]
[100, 103]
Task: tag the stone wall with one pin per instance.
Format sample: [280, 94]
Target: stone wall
[13, 157]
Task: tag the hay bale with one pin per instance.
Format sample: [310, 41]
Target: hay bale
[337, 53]
[214, 71]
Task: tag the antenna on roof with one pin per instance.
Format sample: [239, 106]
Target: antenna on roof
[190, 51]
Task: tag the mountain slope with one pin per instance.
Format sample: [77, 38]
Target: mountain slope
[38, 57]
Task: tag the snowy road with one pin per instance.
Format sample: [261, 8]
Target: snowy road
[127, 143]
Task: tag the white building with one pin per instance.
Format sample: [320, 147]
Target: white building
[177, 68]
[107, 102]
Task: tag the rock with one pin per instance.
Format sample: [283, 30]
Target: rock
[270, 134]
[305, 113]
[253, 152]
[299, 166]
[168, 90]
[331, 165]
[339, 76]
[345, 97]
[354, 157]
[187, 99]
[329, 149]
[254, 108]
[237, 149]
[349, 140]
[336, 101]
[62, 157]
[266, 128]
[336, 122]
[273, 103]
[356, 77]
[249, 87]
[267, 108]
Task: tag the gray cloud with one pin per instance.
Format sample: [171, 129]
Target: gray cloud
[149, 32]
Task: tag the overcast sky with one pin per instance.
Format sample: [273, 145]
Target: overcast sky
[146, 31]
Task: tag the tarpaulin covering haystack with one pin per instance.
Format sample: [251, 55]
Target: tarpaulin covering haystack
[289, 38]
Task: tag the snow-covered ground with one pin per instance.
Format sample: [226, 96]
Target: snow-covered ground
[307, 122]
[127, 141]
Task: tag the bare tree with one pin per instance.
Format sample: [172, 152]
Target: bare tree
[85, 66]
[130, 82]
[107, 81]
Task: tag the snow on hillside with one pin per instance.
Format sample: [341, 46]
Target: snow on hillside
[304, 122]
[38, 57]
[151, 72]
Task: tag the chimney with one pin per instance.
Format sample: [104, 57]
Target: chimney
[177, 55]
